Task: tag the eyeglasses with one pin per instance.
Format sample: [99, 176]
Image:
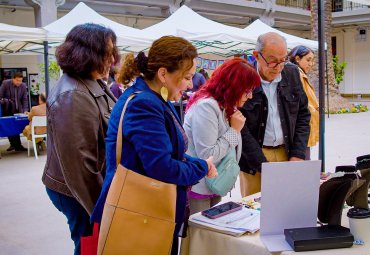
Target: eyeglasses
[273, 64]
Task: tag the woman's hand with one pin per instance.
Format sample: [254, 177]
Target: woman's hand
[237, 121]
[212, 170]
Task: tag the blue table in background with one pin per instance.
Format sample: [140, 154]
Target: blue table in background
[12, 125]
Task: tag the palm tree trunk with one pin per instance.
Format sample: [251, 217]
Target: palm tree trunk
[336, 101]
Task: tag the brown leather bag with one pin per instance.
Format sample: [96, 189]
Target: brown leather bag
[139, 212]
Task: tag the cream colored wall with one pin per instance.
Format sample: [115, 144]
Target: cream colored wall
[303, 34]
[21, 17]
[357, 55]
[134, 22]
[30, 62]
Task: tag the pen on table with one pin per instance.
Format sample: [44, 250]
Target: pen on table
[240, 218]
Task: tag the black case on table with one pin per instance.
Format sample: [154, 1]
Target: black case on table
[319, 238]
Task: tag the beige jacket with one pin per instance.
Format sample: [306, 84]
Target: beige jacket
[38, 110]
[313, 107]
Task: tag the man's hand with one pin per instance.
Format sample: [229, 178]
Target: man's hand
[3, 100]
[295, 159]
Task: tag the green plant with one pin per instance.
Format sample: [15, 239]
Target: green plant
[54, 71]
[338, 69]
[354, 109]
[35, 89]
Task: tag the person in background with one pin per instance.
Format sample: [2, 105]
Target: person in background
[213, 123]
[277, 126]
[205, 74]
[303, 57]
[38, 110]
[153, 140]
[198, 80]
[13, 99]
[115, 87]
[78, 110]
[121, 76]
[108, 77]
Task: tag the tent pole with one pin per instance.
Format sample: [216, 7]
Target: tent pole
[321, 35]
[327, 81]
[46, 64]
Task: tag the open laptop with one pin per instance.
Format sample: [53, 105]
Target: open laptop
[289, 199]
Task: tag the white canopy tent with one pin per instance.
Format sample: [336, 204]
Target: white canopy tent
[11, 33]
[128, 38]
[14, 38]
[258, 28]
[207, 35]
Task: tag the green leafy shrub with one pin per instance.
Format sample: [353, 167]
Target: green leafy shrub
[54, 71]
[338, 69]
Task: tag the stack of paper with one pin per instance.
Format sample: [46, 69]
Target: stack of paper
[236, 223]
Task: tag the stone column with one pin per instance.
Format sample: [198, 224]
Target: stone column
[173, 5]
[45, 10]
[45, 13]
[268, 16]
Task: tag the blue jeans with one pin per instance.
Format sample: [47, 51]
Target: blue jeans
[77, 217]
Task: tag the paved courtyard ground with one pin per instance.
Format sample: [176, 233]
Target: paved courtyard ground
[30, 225]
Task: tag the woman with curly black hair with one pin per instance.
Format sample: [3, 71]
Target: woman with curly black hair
[78, 110]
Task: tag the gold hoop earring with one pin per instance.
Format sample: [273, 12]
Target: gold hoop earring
[164, 93]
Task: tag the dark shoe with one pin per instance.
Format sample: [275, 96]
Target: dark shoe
[38, 145]
[11, 148]
[43, 146]
[20, 148]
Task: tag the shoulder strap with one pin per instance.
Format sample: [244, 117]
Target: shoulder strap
[119, 134]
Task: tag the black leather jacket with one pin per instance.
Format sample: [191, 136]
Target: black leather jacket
[78, 112]
[294, 116]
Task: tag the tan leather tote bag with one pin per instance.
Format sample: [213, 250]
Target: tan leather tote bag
[139, 212]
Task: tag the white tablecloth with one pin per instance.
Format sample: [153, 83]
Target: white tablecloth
[206, 242]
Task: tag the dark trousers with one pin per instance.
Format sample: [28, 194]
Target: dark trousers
[15, 141]
[308, 153]
[77, 217]
[175, 246]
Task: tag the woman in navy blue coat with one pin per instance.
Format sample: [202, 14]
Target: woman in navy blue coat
[154, 142]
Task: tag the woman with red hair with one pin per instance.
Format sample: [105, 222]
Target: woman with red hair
[213, 122]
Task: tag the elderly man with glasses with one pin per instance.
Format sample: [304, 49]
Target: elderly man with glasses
[277, 118]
